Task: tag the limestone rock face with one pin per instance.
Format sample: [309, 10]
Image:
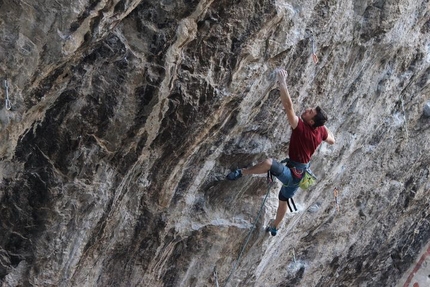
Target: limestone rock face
[126, 115]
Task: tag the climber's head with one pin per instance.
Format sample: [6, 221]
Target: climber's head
[315, 117]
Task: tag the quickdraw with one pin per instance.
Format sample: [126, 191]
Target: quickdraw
[7, 101]
[310, 35]
[292, 202]
[314, 52]
[336, 202]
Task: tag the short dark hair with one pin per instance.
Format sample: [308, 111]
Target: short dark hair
[320, 118]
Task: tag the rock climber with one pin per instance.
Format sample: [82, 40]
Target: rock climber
[308, 132]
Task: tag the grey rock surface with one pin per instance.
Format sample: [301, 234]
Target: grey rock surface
[126, 116]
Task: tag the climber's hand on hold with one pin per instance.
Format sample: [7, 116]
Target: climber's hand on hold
[282, 77]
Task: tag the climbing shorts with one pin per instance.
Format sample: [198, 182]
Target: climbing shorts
[290, 183]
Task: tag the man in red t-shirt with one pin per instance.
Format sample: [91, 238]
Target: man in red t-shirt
[308, 133]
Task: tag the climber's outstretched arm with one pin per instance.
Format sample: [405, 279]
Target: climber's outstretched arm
[286, 99]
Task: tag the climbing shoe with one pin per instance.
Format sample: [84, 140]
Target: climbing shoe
[234, 174]
[271, 229]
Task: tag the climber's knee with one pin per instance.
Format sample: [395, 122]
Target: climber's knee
[268, 163]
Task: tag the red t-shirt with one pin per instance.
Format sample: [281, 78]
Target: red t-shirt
[304, 141]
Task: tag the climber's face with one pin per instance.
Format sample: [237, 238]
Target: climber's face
[308, 115]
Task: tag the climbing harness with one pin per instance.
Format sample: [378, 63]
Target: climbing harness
[269, 185]
[7, 104]
[301, 171]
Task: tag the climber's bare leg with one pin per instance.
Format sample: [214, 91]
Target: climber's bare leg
[259, 168]
[280, 213]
